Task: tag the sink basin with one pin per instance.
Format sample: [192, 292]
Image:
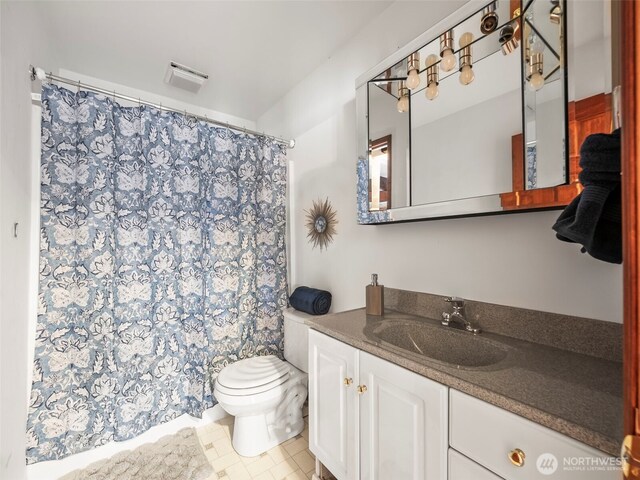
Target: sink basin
[439, 343]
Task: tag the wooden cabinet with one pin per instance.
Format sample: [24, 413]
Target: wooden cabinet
[371, 419]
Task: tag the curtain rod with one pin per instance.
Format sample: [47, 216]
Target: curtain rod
[39, 74]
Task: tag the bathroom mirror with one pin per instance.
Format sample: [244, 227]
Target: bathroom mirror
[544, 97]
[492, 123]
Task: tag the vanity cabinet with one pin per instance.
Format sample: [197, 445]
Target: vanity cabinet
[515, 448]
[371, 419]
[374, 420]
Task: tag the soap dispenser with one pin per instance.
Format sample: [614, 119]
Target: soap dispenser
[375, 297]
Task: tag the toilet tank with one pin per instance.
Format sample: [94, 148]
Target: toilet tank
[296, 339]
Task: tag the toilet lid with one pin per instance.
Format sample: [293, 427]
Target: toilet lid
[253, 375]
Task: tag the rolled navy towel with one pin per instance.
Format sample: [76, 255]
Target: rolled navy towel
[310, 300]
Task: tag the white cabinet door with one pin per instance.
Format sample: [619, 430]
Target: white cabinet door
[461, 468]
[403, 423]
[333, 421]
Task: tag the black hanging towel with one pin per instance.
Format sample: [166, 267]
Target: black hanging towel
[594, 218]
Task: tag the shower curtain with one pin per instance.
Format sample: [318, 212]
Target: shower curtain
[162, 259]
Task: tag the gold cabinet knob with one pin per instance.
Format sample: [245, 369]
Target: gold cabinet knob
[516, 457]
[348, 381]
[362, 389]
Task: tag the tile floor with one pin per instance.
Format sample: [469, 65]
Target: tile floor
[291, 460]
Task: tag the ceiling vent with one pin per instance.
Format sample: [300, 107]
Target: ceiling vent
[184, 77]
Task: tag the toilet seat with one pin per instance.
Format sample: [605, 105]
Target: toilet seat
[252, 376]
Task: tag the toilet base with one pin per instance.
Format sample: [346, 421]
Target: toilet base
[253, 436]
[265, 419]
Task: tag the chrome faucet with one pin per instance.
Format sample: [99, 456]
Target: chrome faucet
[457, 319]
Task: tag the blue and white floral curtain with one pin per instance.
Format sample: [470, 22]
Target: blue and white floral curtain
[162, 259]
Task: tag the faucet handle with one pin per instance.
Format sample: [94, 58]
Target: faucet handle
[455, 301]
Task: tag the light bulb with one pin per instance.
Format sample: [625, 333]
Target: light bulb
[413, 80]
[432, 91]
[403, 104]
[466, 39]
[466, 75]
[448, 62]
[431, 60]
[536, 82]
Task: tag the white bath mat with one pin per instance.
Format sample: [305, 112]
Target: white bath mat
[177, 456]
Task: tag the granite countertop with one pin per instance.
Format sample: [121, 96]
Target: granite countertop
[575, 394]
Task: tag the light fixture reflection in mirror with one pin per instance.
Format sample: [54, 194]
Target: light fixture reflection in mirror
[403, 97]
[432, 77]
[535, 73]
[489, 21]
[413, 69]
[555, 15]
[448, 62]
[466, 62]
[507, 38]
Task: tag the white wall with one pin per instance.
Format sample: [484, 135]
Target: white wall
[23, 40]
[510, 259]
[467, 154]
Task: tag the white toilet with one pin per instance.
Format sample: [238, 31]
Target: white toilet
[265, 394]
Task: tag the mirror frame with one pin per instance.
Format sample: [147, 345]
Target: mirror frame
[466, 207]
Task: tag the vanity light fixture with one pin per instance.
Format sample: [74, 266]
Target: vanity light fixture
[413, 71]
[466, 61]
[489, 21]
[448, 62]
[432, 77]
[403, 97]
